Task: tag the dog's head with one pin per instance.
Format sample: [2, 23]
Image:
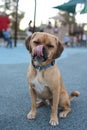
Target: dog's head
[43, 47]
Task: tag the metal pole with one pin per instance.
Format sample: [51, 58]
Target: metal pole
[34, 17]
[16, 26]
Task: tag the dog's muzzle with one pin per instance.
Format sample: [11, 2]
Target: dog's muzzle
[40, 53]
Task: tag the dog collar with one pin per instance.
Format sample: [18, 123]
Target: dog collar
[43, 67]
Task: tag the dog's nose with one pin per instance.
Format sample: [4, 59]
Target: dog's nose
[38, 51]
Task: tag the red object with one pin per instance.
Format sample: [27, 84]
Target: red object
[4, 22]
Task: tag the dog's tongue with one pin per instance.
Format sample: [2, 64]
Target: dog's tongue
[39, 50]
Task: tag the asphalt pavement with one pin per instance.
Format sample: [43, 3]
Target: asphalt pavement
[15, 100]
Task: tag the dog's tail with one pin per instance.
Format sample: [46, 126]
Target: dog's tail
[74, 94]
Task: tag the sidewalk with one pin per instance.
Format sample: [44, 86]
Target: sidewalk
[15, 100]
[19, 54]
[14, 55]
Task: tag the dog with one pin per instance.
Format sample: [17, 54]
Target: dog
[45, 81]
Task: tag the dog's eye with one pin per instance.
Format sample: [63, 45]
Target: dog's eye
[50, 46]
[36, 42]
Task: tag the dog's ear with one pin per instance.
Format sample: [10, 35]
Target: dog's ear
[59, 50]
[27, 43]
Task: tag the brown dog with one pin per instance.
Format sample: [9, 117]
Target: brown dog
[44, 78]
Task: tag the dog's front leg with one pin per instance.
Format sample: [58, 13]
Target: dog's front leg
[54, 113]
[32, 113]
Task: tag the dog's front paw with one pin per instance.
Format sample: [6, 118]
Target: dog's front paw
[54, 121]
[31, 115]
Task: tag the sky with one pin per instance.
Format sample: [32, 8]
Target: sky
[44, 11]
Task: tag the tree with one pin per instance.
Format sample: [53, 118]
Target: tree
[70, 20]
[9, 6]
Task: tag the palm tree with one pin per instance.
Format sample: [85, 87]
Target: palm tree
[70, 20]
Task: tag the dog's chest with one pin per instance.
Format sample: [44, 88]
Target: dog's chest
[39, 83]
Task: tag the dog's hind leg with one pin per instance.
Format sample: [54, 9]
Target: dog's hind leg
[64, 113]
[40, 103]
[64, 103]
[43, 102]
